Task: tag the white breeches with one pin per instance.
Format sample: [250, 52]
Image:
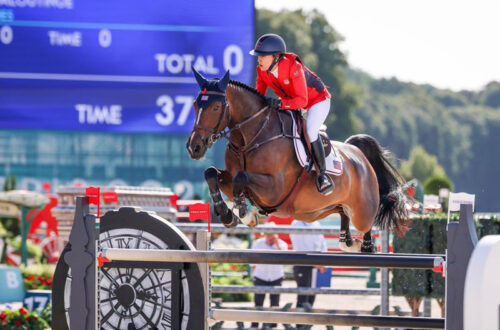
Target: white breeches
[316, 116]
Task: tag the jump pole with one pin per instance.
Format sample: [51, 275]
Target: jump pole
[272, 258]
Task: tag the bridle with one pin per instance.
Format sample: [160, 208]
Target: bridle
[217, 133]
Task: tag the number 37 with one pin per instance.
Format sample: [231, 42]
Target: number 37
[167, 104]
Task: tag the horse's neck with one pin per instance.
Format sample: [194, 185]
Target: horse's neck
[243, 104]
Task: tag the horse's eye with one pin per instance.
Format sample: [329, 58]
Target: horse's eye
[216, 108]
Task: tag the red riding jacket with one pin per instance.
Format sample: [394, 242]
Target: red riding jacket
[296, 85]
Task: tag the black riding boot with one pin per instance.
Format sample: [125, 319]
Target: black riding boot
[324, 183]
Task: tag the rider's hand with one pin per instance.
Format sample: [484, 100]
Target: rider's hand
[274, 102]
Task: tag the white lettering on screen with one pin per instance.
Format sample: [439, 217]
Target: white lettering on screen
[57, 38]
[99, 114]
[181, 63]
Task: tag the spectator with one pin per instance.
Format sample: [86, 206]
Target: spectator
[303, 274]
[268, 275]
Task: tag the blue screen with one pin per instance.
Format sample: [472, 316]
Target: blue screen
[116, 66]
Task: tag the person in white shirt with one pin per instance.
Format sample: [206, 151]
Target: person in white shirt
[269, 275]
[306, 242]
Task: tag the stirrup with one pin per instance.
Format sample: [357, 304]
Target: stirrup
[325, 190]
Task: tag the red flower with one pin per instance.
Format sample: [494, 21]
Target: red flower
[35, 317]
[30, 277]
[23, 311]
[3, 316]
[28, 318]
[18, 323]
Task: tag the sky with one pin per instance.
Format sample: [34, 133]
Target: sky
[450, 44]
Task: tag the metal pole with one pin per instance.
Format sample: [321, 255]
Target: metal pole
[300, 290]
[328, 319]
[203, 244]
[277, 257]
[384, 272]
[427, 306]
[279, 229]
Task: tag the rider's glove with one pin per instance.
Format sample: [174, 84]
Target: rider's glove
[274, 102]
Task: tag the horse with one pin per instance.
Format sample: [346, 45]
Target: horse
[261, 166]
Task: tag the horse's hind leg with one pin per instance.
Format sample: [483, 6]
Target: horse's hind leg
[215, 177]
[368, 246]
[346, 243]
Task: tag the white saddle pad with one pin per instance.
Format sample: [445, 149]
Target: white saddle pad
[334, 164]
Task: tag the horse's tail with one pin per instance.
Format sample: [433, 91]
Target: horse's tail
[392, 212]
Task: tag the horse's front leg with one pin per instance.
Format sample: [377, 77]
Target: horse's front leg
[220, 178]
[266, 188]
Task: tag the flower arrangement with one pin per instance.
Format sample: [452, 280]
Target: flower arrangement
[37, 277]
[21, 319]
[33, 282]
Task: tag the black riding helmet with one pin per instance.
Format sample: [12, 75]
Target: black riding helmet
[269, 44]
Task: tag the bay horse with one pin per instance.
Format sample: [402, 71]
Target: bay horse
[261, 166]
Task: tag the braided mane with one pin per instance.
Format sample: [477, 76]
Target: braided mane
[247, 88]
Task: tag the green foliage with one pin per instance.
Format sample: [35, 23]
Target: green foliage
[309, 35]
[436, 182]
[228, 267]
[458, 128]
[412, 283]
[490, 96]
[22, 319]
[34, 250]
[10, 183]
[421, 165]
[12, 227]
[232, 280]
[38, 276]
[427, 235]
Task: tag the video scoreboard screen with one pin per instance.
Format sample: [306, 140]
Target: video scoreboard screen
[116, 66]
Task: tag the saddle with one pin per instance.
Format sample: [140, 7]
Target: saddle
[334, 164]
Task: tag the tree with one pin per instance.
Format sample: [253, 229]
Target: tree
[436, 182]
[421, 165]
[490, 96]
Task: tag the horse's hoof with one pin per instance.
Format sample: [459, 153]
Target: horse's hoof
[251, 219]
[354, 247]
[365, 248]
[229, 220]
[233, 223]
[242, 211]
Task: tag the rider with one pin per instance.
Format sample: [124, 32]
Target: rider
[298, 87]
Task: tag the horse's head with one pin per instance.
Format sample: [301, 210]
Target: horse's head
[212, 114]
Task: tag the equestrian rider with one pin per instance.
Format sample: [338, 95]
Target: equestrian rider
[298, 88]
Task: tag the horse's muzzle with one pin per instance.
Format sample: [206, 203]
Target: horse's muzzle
[196, 146]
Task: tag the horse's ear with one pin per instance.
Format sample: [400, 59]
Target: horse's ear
[224, 81]
[199, 78]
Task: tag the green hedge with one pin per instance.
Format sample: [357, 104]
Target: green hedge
[427, 235]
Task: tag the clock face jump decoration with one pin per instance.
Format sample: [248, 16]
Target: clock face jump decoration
[154, 296]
